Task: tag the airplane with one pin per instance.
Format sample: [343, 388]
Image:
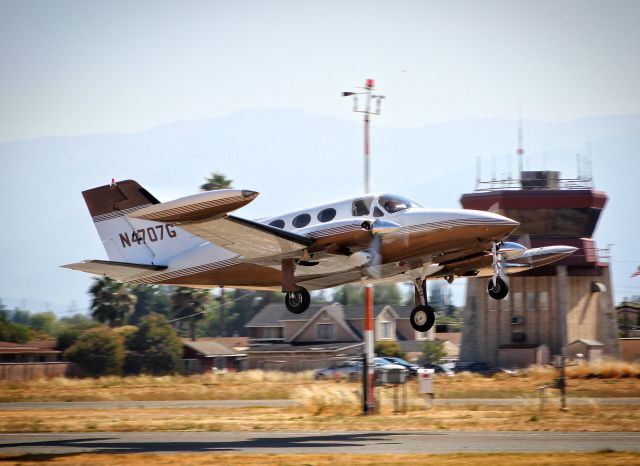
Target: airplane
[195, 242]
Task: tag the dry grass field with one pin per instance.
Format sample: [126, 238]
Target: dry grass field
[610, 379]
[326, 405]
[326, 418]
[231, 459]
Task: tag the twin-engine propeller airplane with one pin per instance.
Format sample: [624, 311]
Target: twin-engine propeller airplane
[375, 238]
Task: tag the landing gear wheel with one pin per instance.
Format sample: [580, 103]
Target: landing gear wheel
[297, 301]
[422, 318]
[499, 290]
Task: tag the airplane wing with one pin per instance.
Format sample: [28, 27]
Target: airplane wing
[250, 239]
[123, 271]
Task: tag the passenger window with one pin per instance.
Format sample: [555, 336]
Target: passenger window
[360, 208]
[277, 223]
[301, 220]
[326, 215]
[377, 212]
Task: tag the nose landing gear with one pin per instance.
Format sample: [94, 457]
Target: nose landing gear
[497, 286]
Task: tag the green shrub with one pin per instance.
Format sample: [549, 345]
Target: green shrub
[154, 348]
[98, 351]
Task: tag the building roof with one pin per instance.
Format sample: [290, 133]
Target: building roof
[453, 337]
[16, 348]
[236, 343]
[49, 344]
[307, 347]
[628, 307]
[336, 313]
[210, 348]
[587, 342]
[273, 314]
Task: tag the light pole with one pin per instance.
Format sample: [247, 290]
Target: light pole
[368, 378]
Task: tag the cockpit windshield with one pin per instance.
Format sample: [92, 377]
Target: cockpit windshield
[392, 203]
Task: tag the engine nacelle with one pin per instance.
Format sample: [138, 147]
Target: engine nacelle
[360, 259]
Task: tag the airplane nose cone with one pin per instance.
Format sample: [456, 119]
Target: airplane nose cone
[488, 224]
[546, 255]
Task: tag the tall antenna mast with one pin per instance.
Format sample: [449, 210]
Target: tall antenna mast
[368, 381]
[367, 110]
[520, 150]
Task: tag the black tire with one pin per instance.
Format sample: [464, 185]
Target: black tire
[499, 291]
[297, 301]
[422, 318]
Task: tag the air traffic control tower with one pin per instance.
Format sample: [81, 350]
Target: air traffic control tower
[565, 305]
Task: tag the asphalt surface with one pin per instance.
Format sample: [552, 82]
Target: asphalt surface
[318, 442]
[177, 404]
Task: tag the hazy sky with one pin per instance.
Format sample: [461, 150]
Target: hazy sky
[76, 67]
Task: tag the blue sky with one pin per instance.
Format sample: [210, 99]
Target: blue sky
[77, 67]
[71, 68]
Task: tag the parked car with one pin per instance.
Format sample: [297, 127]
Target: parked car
[412, 368]
[440, 369]
[384, 363]
[348, 370]
[480, 368]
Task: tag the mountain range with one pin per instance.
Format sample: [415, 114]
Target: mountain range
[293, 159]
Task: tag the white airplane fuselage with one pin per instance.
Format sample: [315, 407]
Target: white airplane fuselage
[455, 229]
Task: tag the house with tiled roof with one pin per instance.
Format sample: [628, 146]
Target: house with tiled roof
[213, 354]
[323, 334]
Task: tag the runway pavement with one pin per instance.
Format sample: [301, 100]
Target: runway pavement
[318, 442]
[177, 404]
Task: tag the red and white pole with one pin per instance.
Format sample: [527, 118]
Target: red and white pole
[369, 397]
[368, 377]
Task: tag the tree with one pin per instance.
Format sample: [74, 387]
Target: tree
[150, 298]
[190, 304]
[154, 348]
[217, 180]
[98, 351]
[71, 328]
[432, 352]
[45, 322]
[112, 302]
[388, 348]
[349, 295]
[353, 295]
[11, 332]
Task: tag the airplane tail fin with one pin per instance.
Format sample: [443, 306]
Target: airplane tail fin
[133, 240]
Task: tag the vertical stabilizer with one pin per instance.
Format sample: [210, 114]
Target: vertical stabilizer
[128, 239]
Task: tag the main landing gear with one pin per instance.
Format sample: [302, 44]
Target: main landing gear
[296, 298]
[297, 301]
[423, 316]
[497, 286]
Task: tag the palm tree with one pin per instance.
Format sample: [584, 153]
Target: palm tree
[190, 303]
[112, 301]
[217, 180]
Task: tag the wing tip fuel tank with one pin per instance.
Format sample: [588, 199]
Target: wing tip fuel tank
[198, 207]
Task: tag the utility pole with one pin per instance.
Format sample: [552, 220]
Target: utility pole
[368, 379]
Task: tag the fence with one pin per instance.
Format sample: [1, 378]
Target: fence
[37, 370]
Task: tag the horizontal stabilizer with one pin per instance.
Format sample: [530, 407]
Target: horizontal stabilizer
[123, 271]
[197, 208]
